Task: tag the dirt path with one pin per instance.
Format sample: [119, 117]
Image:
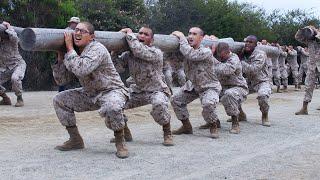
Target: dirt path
[290, 149]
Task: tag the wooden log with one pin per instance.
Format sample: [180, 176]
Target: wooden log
[305, 34]
[45, 39]
[3, 34]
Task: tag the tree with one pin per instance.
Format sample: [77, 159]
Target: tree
[285, 26]
[169, 15]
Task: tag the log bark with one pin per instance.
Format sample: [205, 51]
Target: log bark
[3, 34]
[306, 34]
[45, 39]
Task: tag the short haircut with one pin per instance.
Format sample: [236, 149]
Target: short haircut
[89, 26]
[253, 37]
[201, 31]
[148, 27]
[223, 46]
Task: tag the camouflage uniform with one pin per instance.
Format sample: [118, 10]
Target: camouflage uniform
[293, 65]
[313, 65]
[269, 63]
[255, 69]
[234, 86]
[276, 71]
[12, 66]
[203, 83]
[283, 67]
[101, 89]
[173, 65]
[148, 85]
[304, 57]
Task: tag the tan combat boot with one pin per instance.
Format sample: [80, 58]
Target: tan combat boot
[235, 128]
[122, 151]
[19, 102]
[167, 136]
[75, 141]
[127, 135]
[303, 110]
[265, 119]
[296, 88]
[299, 86]
[186, 128]
[214, 132]
[207, 125]
[5, 99]
[285, 89]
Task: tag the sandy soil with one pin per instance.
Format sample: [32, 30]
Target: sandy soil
[289, 149]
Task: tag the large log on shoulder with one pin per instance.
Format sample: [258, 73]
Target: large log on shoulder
[306, 34]
[45, 39]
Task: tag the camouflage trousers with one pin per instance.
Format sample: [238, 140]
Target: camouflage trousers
[232, 98]
[311, 79]
[169, 73]
[269, 64]
[302, 70]
[15, 75]
[276, 76]
[209, 100]
[110, 105]
[294, 72]
[284, 75]
[159, 101]
[264, 91]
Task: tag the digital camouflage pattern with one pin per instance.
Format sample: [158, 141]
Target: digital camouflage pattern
[101, 89]
[12, 65]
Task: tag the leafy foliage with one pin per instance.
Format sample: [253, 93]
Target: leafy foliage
[222, 18]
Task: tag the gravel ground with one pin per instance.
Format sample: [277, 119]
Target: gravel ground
[289, 149]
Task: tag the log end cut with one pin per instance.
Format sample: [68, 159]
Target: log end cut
[28, 39]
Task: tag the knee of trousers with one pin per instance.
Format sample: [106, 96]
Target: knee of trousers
[180, 108]
[231, 105]
[64, 115]
[57, 101]
[263, 103]
[114, 118]
[160, 113]
[176, 102]
[16, 79]
[209, 113]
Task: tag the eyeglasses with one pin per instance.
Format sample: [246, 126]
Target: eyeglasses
[82, 31]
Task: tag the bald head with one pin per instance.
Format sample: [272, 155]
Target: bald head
[250, 43]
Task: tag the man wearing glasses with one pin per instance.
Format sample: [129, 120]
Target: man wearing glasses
[102, 88]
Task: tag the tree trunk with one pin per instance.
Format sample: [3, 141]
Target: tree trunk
[45, 39]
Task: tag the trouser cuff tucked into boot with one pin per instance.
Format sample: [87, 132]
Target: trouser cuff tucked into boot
[303, 110]
[5, 99]
[167, 136]
[122, 151]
